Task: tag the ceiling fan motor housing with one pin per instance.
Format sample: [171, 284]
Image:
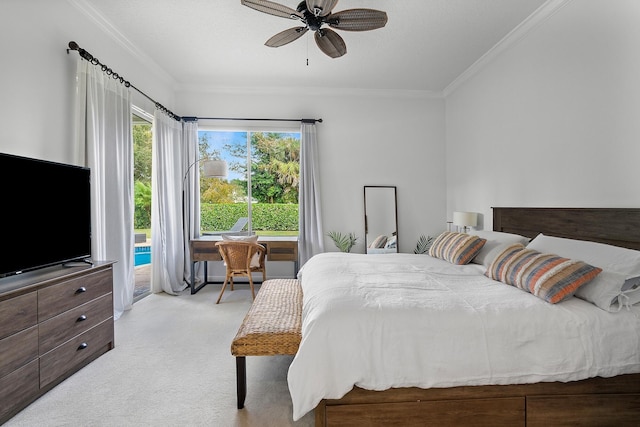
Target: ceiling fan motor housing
[310, 19]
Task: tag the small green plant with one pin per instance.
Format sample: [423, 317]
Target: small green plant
[344, 242]
[423, 245]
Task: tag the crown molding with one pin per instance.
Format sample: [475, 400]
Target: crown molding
[111, 31]
[544, 12]
[311, 91]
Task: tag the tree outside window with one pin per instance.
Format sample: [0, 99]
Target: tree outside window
[142, 136]
[264, 172]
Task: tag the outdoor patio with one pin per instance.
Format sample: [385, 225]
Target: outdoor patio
[143, 281]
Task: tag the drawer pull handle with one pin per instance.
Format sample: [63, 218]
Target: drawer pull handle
[81, 318]
[83, 346]
[81, 290]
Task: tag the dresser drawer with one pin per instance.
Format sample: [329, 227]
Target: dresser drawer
[17, 389]
[65, 326]
[18, 313]
[18, 349]
[68, 357]
[56, 299]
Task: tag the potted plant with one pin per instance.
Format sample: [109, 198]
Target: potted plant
[344, 242]
[423, 245]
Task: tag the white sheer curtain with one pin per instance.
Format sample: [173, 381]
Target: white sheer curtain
[105, 141]
[167, 238]
[191, 195]
[311, 239]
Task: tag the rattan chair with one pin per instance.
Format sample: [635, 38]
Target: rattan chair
[237, 256]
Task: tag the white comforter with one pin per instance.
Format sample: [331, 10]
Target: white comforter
[402, 320]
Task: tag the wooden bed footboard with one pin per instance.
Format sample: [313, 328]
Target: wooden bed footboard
[593, 402]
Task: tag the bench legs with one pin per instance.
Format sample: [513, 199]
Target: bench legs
[241, 379]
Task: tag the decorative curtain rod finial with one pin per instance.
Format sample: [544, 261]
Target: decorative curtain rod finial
[83, 53]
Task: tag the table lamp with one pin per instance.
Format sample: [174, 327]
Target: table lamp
[465, 220]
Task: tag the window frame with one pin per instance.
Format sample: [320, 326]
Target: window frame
[249, 130]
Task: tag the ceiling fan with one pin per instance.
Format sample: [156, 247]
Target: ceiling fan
[314, 14]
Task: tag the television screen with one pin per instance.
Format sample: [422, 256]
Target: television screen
[46, 214]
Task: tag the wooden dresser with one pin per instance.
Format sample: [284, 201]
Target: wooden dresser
[52, 323]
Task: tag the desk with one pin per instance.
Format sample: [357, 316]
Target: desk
[203, 249]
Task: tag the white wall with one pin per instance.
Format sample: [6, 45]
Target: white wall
[550, 122]
[37, 75]
[366, 138]
[553, 121]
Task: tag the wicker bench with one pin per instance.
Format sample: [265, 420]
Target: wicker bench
[271, 327]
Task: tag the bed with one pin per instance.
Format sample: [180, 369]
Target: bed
[454, 347]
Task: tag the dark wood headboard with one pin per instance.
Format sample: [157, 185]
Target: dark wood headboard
[614, 226]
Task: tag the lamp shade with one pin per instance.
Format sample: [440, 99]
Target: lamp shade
[465, 219]
[214, 169]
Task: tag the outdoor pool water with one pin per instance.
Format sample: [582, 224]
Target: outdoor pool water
[142, 255]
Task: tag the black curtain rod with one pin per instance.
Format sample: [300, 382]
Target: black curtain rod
[93, 60]
[193, 119]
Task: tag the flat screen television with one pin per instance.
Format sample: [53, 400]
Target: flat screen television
[46, 214]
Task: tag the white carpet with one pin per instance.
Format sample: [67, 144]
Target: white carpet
[172, 366]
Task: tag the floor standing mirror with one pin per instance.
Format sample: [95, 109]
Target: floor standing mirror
[380, 219]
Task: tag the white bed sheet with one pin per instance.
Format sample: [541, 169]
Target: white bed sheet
[404, 320]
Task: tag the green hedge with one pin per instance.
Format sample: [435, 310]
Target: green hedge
[265, 216]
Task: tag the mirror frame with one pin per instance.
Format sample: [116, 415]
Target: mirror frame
[394, 200]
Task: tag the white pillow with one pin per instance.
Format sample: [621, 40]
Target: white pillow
[631, 284]
[607, 257]
[610, 291]
[392, 242]
[496, 241]
[630, 292]
[629, 298]
[379, 242]
[604, 291]
[253, 238]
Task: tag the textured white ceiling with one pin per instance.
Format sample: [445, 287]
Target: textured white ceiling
[211, 44]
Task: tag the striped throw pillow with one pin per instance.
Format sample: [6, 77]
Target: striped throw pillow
[547, 276]
[456, 248]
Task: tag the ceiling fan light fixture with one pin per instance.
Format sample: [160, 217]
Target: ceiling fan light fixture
[320, 7]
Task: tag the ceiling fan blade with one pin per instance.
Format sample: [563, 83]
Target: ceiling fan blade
[330, 43]
[321, 7]
[272, 8]
[357, 19]
[286, 36]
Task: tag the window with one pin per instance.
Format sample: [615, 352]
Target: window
[261, 186]
[142, 136]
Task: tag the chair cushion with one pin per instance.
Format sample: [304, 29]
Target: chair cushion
[253, 238]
